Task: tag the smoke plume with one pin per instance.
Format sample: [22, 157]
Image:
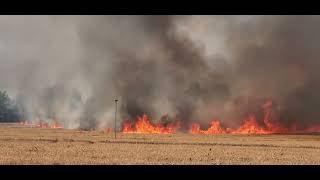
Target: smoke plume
[70, 69]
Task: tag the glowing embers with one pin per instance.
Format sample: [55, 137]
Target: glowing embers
[144, 125]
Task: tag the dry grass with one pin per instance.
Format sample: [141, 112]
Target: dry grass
[29, 145]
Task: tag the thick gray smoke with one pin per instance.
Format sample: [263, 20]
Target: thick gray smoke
[192, 68]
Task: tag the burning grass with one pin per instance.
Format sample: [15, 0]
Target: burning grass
[250, 126]
[256, 141]
[54, 125]
[144, 125]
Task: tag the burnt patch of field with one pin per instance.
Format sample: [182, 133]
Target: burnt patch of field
[31, 145]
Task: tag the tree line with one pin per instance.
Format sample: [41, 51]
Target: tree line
[8, 109]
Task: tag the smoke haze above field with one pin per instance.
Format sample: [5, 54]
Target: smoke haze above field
[193, 68]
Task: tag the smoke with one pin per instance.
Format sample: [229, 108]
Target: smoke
[271, 57]
[192, 68]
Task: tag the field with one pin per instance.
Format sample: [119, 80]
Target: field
[30, 145]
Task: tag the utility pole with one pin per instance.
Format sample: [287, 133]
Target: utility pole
[115, 120]
[248, 102]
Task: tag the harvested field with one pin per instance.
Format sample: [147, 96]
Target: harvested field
[31, 145]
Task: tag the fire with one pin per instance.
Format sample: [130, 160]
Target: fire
[215, 128]
[251, 125]
[55, 125]
[269, 125]
[144, 125]
[41, 124]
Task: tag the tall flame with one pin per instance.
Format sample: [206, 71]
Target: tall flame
[144, 125]
[251, 125]
[215, 128]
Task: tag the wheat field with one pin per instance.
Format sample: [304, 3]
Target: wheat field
[31, 145]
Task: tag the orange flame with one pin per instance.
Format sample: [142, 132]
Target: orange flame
[251, 126]
[268, 125]
[215, 128]
[43, 125]
[144, 125]
[55, 125]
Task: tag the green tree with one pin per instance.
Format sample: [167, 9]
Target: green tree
[8, 110]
